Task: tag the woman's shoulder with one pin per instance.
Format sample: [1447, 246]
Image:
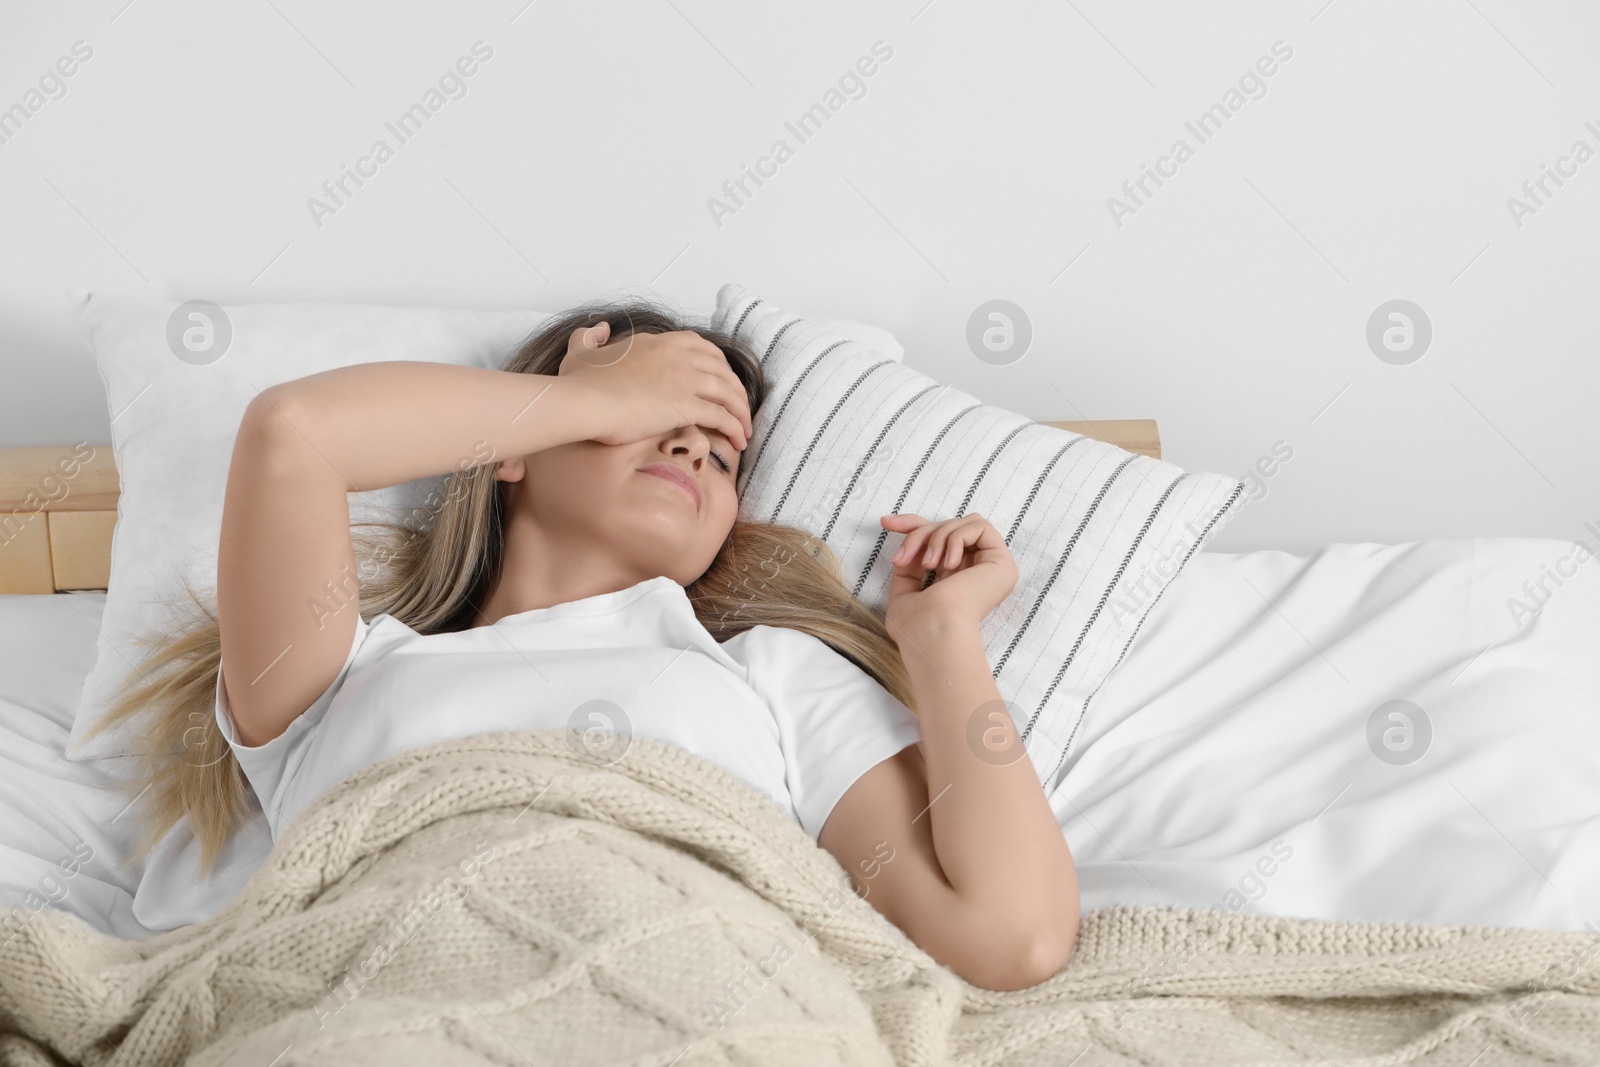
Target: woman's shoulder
[784, 649]
[395, 628]
[380, 633]
[766, 636]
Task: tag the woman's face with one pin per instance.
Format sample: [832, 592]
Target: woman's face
[598, 497]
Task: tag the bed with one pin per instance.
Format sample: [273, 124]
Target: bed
[1363, 734]
[1230, 761]
[1252, 711]
[55, 562]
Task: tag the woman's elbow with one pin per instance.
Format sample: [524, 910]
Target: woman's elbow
[1039, 957]
[1051, 954]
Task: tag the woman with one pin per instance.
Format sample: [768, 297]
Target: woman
[589, 530]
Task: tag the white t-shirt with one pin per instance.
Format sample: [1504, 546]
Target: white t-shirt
[775, 707]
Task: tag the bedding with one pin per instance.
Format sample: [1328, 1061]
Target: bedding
[849, 437]
[67, 834]
[1224, 765]
[1245, 754]
[177, 379]
[62, 833]
[500, 898]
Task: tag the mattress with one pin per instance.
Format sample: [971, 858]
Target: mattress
[1244, 755]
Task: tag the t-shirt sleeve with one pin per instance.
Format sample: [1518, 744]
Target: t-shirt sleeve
[835, 721]
[271, 766]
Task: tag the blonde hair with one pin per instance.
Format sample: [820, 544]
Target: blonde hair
[432, 576]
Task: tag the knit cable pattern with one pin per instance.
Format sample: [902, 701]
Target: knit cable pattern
[505, 899]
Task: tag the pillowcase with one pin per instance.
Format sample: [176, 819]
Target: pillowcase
[174, 418]
[1098, 533]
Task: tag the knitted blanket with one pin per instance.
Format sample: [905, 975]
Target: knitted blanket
[507, 899]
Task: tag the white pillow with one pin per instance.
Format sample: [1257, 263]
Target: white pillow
[174, 419]
[846, 436]
[873, 337]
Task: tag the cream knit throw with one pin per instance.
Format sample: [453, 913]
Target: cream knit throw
[506, 900]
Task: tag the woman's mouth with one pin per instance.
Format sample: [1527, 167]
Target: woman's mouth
[673, 473]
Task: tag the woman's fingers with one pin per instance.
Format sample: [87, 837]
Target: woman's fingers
[731, 408]
[708, 357]
[948, 545]
[920, 544]
[713, 416]
[958, 546]
[917, 529]
[738, 402]
[726, 389]
[933, 542]
[989, 539]
[942, 542]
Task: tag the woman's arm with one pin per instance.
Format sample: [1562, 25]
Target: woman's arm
[998, 842]
[287, 593]
[374, 425]
[980, 875]
[380, 424]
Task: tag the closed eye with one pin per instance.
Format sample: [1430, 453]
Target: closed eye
[726, 469]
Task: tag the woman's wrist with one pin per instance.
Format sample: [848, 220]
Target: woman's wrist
[934, 624]
[583, 407]
[930, 637]
[565, 402]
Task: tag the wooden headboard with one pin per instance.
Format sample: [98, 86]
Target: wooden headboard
[58, 507]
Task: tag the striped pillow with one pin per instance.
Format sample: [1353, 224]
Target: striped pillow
[1097, 532]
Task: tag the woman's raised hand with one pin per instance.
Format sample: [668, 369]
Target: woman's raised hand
[973, 571]
[645, 384]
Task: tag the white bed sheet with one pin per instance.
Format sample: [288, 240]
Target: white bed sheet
[1238, 721]
[66, 832]
[62, 831]
[1225, 763]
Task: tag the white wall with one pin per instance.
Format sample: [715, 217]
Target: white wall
[1232, 305]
